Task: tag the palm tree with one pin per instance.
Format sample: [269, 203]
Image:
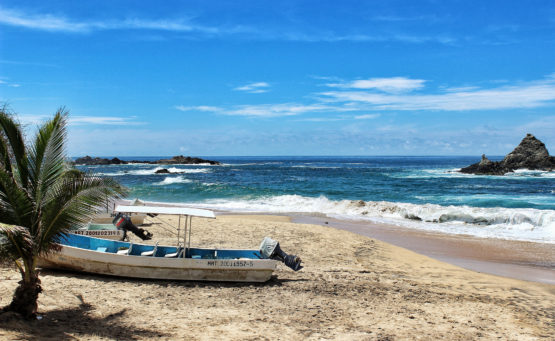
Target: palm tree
[41, 197]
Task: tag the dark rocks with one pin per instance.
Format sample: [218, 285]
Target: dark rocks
[87, 160]
[182, 160]
[162, 171]
[531, 154]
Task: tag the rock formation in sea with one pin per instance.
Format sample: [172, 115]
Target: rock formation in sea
[182, 160]
[531, 154]
[87, 160]
[162, 171]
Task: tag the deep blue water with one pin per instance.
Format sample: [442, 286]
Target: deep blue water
[403, 189]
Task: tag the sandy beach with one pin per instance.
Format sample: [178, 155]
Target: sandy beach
[352, 288]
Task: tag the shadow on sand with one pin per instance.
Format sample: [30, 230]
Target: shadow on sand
[272, 282]
[75, 323]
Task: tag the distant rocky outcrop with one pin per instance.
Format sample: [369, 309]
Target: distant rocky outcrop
[182, 160]
[87, 160]
[531, 153]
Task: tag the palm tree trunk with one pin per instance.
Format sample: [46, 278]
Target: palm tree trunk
[26, 296]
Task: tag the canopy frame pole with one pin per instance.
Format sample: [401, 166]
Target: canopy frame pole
[185, 235]
[178, 228]
[190, 228]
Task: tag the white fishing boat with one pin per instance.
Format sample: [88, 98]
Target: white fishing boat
[179, 262]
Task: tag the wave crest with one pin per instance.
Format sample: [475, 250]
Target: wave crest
[492, 222]
[173, 180]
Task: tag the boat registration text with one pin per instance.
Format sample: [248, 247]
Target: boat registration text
[232, 263]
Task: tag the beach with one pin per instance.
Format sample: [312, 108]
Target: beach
[352, 287]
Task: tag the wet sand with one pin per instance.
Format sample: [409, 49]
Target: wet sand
[352, 288]
[516, 259]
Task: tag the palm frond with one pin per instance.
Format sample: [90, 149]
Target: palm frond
[16, 207]
[15, 242]
[46, 156]
[14, 138]
[4, 154]
[73, 201]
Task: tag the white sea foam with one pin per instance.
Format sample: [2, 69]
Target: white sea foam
[505, 223]
[173, 180]
[190, 171]
[315, 167]
[152, 171]
[120, 173]
[520, 174]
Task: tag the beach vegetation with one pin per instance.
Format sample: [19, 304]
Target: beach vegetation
[41, 197]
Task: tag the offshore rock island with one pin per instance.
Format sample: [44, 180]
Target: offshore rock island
[531, 154]
[176, 160]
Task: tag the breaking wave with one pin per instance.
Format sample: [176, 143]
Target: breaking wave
[152, 171]
[173, 180]
[490, 222]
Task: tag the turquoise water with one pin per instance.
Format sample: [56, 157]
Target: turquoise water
[416, 192]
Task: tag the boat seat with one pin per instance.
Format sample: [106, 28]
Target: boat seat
[101, 249]
[177, 254]
[151, 252]
[126, 252]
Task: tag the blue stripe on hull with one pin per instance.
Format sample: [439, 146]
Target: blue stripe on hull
[112, 246]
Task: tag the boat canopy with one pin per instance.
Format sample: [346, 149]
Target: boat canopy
[193, 212]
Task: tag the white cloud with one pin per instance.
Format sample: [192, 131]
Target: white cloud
[254, 88]
[102, 120]
[49, 22]
[367, 117]
[273, 110]
[322, 119]
[267, 110]
[204, 108]
[393, 84]
[377, 38]
[524, 95]
[81, 120]
[57, 23]
[12, 85]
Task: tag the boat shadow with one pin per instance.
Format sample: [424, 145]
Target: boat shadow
[76, 323]
[272, 282]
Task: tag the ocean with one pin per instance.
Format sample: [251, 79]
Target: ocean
[414, 192]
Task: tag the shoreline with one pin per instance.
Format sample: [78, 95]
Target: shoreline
[523, 260]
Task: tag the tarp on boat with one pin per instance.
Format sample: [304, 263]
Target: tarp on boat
[194, 212]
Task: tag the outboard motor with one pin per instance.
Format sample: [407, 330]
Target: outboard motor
[124, 222]
[269, 248]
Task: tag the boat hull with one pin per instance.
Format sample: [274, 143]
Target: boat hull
[189, 269]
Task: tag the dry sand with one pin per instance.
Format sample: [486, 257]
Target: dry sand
[352, 288]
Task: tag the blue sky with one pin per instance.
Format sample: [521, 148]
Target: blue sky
[283, 77]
